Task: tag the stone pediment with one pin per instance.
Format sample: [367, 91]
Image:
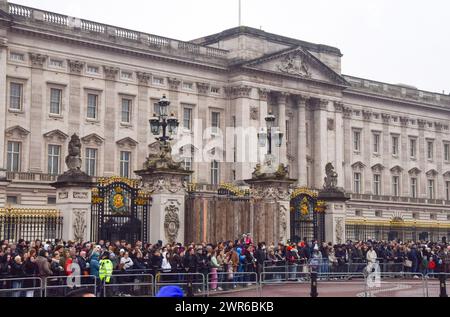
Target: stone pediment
[358, 165]
[56, 135]
[93, 138]
[396, 169]
[447, 174]
[296, 62]
[414, 171]
[127, 142]
[16, 131]
[377, 168]
[432, 173]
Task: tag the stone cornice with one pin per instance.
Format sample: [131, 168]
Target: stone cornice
[110, 72]
[143, 78]
[37, 60]
[241, 91]
[386, 118]
[75, 67]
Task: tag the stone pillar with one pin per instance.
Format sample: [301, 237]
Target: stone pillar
[366, 151]
[339, 142]
[143, 123]
[3, 88]
[37, 109]
[301, 141]
[440, 188]
[75, 100]
[168, 207]
[421, 156]
[404, 157]
[348, 173]
[386, 178]
[73, 199]
[110, 119]
[335, 214]
[320, 141]
[263, 112]
[3, 184]
[274, 197]
[282, 100]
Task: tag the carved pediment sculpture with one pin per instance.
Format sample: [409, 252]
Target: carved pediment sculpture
[294, 64]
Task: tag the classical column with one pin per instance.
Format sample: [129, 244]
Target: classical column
[366, 151]
[386, 155]
[282, 100]
[301, 142]
[75, 100]
[175, 106]
[347, 114]
[421, 156]
[3, 184]
[404, 157]
[440, 188]
[339, 142]
[3, 88]
[320, 137]
[143, 120]
[110, 118]
[240, 96]
[263, 112]
[204, 165]
[37, 111]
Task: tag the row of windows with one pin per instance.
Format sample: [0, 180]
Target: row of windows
[395, 149]
[13, 163]
[415, 215]
[16, 101]
[395, 183]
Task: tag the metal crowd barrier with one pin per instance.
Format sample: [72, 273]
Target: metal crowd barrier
[225, 282]
[21, 287]
[60, 286]
[122, 285]
[193, 284]
[437, 284]
[301, 280]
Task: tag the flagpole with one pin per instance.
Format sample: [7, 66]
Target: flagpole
[240, 16]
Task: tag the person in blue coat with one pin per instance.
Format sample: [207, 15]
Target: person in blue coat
[94, 265]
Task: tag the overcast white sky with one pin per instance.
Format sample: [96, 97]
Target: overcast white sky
[401, 41]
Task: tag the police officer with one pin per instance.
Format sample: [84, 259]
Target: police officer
[105, 270]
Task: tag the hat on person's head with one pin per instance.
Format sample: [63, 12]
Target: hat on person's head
[170, 291]
[122, 251]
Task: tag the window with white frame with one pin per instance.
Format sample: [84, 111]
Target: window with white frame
[14, 56]
[126, 110]
[376, 184]
[430, 149]
[187, 154]
[53, 62]
[395, 148]
[215, 172]
[395, 186]
[187, 118]
[158, 81]
[93, 69]
[54, 157]
[15, 96]
[91, 161]
[446, 152]
[55, 101]
[357, 140]
[13, 156]
[447, 190]
[188, 86]
[413, 183]
[215, 122]
[126, 75]
[92, 106]
[357, 182]
[412, 147]
[431, 189]
[376, 143]
[125, 164]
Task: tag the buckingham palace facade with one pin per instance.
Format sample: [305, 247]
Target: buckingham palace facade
[60, 75]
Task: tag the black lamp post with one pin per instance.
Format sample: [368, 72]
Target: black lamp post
[270, 133]
[168, 124]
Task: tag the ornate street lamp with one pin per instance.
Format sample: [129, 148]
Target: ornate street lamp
[161, 122]
[270, 134]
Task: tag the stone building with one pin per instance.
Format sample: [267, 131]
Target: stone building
[61, 75]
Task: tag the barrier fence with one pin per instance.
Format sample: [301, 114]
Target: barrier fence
[370, 283]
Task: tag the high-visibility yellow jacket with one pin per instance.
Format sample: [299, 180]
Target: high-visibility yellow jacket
[106, 269]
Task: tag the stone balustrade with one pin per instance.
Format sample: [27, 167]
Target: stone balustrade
[399, 91]
[112, 33]
[399, 199]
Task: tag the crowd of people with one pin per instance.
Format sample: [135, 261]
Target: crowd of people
[223, 261]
